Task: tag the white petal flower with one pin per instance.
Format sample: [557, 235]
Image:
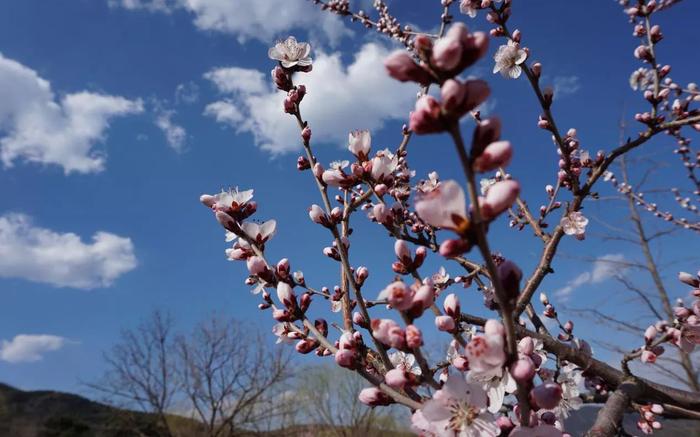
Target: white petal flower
[574, 224]
[291, 53]
[508, 59]
[405, 362]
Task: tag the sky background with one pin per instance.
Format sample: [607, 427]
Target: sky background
[116, 115]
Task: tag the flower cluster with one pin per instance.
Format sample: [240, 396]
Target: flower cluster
[500, 377]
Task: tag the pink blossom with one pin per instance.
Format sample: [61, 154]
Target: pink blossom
[260, 233]
[359, 143]
[383, 165]
[574, 224]
[457, 409]
[291, 53]
[508, 60]
[486, 353]
[444, 207]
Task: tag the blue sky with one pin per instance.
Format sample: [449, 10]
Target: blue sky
[92, 243]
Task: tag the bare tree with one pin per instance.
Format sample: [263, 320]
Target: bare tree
[329, 399]
[231, 380]
[141, 370]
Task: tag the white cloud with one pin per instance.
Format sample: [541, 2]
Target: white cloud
[604, 268]
[26, 348]
[61, 259]
[338, 99]
[34, 126]
[566, 85]
[187, 93]
[249, 19]
[175, 135]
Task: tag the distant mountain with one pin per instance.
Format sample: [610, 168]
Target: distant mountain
[56, 414]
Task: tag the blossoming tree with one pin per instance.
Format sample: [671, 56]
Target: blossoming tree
[507, 375]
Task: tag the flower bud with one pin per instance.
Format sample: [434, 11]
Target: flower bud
[345, 358]
[689, 279]
[306, 135]
[495, 155]
[451, 306]
[523, 370]
[396, 378]
[499, 198]
[374, 397]
[447, 53]
[547, 395]
[285, 294]
[445, 323]
[256, 265]
[403, 68]
[414, 337]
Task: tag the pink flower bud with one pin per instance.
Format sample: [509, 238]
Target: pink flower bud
[256, 265]
[423, 297]
[486, 132]
[648, 357]
[345, 358]
[207, 200]
[496, 154]
[359, 320]
[445, 323]
[425, 118]
[381, 213]
[305, 346]
[451, 306]
[318, 171]
[657, 409]
[283, 268]
[523, 370]
[306, 135]
[374, 397]
[403, 68]
[452, 248]
[414, 337]
[447, 52]
[398, 294]
[402, 251]
[317, 215]
[689, 279]
[547, 395]
[499, 198]
[526, 346]
[494, 327]
[285, 294]
[396, 378]
[388, 332]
